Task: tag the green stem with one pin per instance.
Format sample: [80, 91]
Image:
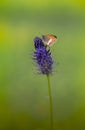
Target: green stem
[50, 98]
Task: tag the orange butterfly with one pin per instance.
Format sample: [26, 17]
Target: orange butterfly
[49, 39]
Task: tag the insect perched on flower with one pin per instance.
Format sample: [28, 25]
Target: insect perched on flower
[49, 39]
[43, 58]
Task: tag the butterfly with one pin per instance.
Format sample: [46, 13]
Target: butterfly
[49, 39]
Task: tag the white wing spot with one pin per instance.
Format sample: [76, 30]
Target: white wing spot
[49, 42]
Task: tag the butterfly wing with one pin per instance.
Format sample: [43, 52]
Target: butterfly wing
[49, 39]
[45, 39]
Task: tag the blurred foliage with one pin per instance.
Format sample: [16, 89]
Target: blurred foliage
[24, 102]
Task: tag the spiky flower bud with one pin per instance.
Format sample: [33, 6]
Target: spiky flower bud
[42, 57]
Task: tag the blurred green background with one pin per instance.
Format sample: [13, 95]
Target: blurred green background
[24, 102]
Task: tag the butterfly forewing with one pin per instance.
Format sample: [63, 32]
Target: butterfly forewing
[49, 39]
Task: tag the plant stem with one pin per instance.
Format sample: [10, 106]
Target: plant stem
[50, 98]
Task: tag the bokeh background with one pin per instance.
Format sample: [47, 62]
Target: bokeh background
[24, 101]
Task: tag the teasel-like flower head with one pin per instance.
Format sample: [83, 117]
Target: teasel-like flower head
[42, 57]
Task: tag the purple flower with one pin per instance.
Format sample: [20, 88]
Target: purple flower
[38, 43]
[42, 57]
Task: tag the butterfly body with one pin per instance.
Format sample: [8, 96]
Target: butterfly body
[49, 39]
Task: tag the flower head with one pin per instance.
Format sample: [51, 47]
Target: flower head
[42, 56]
[38, 43]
